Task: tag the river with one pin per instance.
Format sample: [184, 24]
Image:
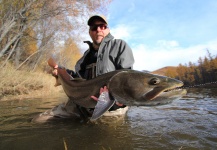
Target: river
[186, 124]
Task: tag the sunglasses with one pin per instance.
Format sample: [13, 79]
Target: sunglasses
[101, 26]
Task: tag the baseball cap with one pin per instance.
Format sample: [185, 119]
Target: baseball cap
[92, 18]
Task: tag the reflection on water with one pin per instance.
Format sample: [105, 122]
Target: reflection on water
[189, 123]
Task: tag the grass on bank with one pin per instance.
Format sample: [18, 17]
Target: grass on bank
[16, 84]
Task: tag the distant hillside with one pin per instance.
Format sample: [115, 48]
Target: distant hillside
[165, 70]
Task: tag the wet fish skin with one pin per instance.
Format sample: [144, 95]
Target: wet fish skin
[129, 87]
[80, 90]
[135, 88]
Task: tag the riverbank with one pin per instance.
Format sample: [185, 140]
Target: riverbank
[16, 84]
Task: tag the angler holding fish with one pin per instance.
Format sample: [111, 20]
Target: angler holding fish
[105, 54]
[104, 82]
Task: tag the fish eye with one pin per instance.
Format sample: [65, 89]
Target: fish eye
[154, 81]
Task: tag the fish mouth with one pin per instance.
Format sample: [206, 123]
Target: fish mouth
[164, 96]
[175, 88]
[162, 91]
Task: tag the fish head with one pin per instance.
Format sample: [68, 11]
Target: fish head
[164, 90]
[136, 88]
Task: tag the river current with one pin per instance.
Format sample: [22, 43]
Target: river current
[186, 124]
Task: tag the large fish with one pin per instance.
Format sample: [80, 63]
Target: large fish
[129, 87]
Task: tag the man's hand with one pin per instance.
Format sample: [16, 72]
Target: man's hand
[55, 72]
[53, 64]
[104, 89]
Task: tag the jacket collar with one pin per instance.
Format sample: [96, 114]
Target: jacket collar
[106, 39]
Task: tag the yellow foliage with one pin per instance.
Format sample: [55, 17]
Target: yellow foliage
[205, 72]
[171, 72]
[69, 54]
[29, 44]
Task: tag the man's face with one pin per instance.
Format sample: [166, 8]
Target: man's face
[98, 30]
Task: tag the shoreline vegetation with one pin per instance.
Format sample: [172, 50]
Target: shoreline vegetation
[203, 73]
[17, 85]
[166, 71]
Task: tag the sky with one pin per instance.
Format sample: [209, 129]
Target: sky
[165, 32]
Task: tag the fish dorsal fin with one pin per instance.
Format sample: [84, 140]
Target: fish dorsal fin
[104, 103]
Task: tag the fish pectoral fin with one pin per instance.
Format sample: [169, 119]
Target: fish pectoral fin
[104, 103]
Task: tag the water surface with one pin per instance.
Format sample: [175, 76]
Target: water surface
[188, 123]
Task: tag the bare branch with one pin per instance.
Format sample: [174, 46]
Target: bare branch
[9, 44]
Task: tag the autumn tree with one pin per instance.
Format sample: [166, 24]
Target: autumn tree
[69, 54]
[190, 75]
[41, 24]
[181, 71]
[204, 72]
[171, 72]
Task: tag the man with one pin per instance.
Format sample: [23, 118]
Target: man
[105, 54]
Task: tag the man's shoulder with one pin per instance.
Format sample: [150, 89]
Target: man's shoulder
[118, 41]
[121, 40]
[110, 37]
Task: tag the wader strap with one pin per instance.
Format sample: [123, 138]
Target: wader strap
[90, 71]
